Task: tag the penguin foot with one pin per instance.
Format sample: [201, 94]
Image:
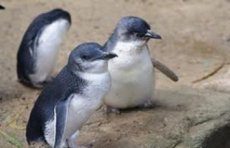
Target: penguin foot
[41, 85]
[85, 146]
[81, 146]
[49, 79]
[148, 104]
[109, 109]
[72, 141]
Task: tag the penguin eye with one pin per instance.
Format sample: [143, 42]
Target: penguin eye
[140, 35]
[85, 57]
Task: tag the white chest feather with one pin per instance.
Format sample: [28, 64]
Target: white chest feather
[83, 106]
[132, 76]
[47, 49]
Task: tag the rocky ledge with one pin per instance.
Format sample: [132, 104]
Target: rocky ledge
[183, 118]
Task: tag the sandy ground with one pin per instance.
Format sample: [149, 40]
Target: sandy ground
[196, 41]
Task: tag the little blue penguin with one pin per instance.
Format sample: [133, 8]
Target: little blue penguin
[67, 102]
[132, 73]
[39, 47]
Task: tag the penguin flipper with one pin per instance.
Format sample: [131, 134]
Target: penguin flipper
[61, 117]
[164, 69]
[27, 53]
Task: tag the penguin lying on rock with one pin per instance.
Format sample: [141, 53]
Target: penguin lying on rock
[67, 102]
[38, 51]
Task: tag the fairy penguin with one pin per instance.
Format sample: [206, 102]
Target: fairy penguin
[67, 102]
[132, 72]
[39, 47]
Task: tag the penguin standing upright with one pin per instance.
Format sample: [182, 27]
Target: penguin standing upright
[67, 102]
[37, 53]
[132, 73]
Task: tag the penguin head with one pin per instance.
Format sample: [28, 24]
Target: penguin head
[90, 58]
[56, 14]
[131, 28]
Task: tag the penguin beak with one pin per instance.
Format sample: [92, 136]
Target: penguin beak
[106, 56]
[152, 35]
[2, 7]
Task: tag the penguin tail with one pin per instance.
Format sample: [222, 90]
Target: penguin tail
[34, 133]
[36, 142]
[33, 136]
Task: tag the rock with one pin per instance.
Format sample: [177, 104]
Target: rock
[184, 118]
[220, 82]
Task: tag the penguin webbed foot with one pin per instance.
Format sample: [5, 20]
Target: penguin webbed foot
[50, 79]
[109, 109]
[38, 85]
[41, 85]
[148, 104]
[71, 145]
[85, 146]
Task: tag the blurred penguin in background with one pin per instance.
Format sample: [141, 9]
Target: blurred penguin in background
[37, 54]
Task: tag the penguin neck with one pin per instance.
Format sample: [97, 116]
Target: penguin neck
[129, 56]
[98, 84]
[88, 76]
[130, 47]
[73, 68]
